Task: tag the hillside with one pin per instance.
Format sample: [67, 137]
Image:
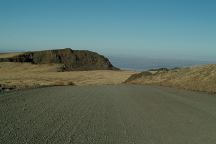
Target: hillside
[199, 78]
[71, 60]
[57, 67]
[26, 75]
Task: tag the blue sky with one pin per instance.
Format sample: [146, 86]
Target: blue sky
[145, 28]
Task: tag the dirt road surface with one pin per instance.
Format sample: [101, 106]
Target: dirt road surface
[120, 114]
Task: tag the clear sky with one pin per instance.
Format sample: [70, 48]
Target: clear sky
[147, 28]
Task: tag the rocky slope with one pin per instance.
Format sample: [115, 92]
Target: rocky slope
[71, 60]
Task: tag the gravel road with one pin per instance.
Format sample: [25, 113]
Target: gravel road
[121, 114]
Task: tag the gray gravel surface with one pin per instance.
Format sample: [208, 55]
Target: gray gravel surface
[121, 114]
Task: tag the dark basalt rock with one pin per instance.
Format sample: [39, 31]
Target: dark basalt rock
[71, 60]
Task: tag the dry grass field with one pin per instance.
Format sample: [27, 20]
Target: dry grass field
[8, 55]
[26, 75]
[199, 78]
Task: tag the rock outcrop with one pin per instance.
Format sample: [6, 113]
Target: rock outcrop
[71, 60]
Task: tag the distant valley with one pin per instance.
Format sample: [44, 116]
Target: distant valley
[142, 63]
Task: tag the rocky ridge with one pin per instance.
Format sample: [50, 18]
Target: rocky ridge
[71, 60]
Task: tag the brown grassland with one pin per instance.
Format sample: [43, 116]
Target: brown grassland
[8, 55]
[26, 75]
[198, 78]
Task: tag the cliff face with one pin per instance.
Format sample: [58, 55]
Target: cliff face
[70, 59]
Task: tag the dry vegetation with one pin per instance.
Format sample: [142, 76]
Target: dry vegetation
[8, 55]
[199, 78]
[26, 75]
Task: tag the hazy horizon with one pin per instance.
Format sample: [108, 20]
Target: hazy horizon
[142, 63]
[156, 29]
[120, 56]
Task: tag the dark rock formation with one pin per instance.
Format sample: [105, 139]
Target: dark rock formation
[160, 70]
[138, 75]
[70, 59]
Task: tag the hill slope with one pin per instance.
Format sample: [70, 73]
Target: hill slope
[26, 75]
[70, 59]
[199, 78]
